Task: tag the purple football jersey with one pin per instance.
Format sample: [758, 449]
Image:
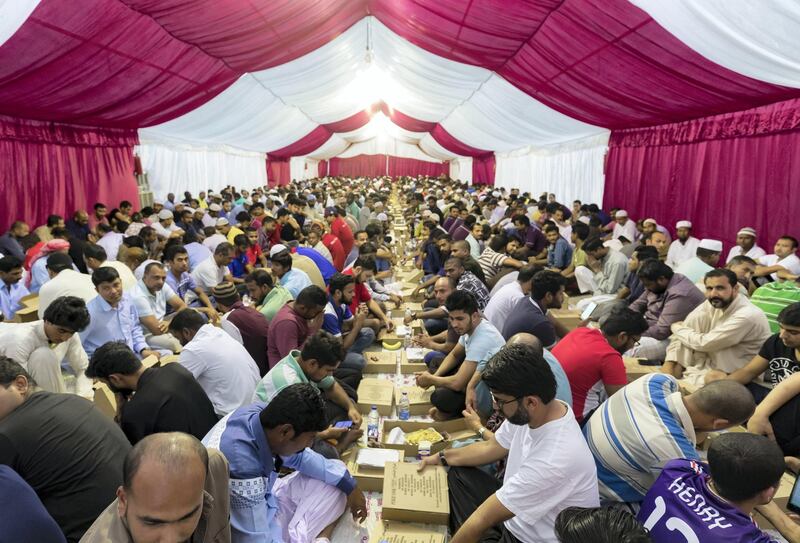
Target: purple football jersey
[680, 508]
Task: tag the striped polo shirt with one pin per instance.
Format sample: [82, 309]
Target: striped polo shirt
[635, 432]
[773, 297]
[286, 372]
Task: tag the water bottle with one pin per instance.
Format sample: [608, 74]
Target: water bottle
[407, 339]
[373, 432]
[403, 407]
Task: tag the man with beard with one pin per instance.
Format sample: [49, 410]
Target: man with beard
[549, 466]
[746, 245]
[683, 248]
[723, 333]
[152, 400]
[340, 321]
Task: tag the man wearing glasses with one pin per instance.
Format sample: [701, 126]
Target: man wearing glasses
[549, 466]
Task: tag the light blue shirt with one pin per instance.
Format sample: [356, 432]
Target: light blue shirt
[240, 437]
[39, 275]
[10, 295]
[294, 281]
[563, 391]
[480, 346]
[110, 324]
[197, 253]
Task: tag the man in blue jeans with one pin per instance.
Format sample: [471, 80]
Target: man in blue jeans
[340, 322]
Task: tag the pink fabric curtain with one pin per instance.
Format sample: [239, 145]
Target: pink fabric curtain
[48, 168]
[278, 172]
[358, 166]
[412, 167]
[722, 173]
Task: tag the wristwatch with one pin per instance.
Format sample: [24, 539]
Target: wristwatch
[481, 431]
[442, 459]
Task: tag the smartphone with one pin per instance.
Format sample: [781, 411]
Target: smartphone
[588, 311]
[344, 424]
[794, 497]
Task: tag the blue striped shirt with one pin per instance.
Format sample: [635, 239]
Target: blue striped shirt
[635, 432]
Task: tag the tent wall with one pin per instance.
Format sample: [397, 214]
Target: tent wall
[461, 168]
[50, 168]
[722, 172]
[376, 165]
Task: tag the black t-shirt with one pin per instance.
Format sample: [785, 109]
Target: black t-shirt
[527, 316]
[168, 399]
[69, 452]
[288, 232]
[782, 360]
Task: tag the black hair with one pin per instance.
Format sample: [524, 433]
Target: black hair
[373, 230]
[53, 220]
[366, 263]
[283, 212]
[104, 274]
[625, 320]
[520, 370]
[261, 278]
[283, 259]
[312, 296]
[744, 464]
[741, 259]
[608, 524]
[653, 269]
[323, 347]
[790, 315]
[339, 281]
[58, 262]
[367, 248]
[722, 272]
[92, 250]
[112, 357]
[592, 244]
[9, 263]
[792, 239]
[498, 242]
[461, 300]
[152, 265]
[174, 250]
[645, 252]
[223, 248]
[526, 273]
[545, 282]
[68, 312]
[98, 205]
[240, 240]
[300, 405]
[580, 230]
[10, 370]
[242, 216]
[187, 319]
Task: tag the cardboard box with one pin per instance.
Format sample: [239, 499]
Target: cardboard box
[410, 362]
[415, 326]
[415, 496]
[377, 392]
[105, 400]
[452, 430]
[381, 361]
[636, 370]
[368, 479]
[170, 359]
[400, 532]
[570, 318]
[419, 399]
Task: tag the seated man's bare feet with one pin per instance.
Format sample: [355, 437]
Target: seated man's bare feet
[437, 415]
[792, 463]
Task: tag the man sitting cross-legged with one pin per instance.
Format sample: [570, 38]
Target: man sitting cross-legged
[549, 466]
[318, 363]
[340, 321]
[258, 440]
[457, 379]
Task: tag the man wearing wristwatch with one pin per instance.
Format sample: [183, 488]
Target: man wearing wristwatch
[549, 465]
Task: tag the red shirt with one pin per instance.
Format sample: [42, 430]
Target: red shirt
[340, 229]
[590, 364]
[361, 294]
[337, 251]
[287, 331]
[253, 254]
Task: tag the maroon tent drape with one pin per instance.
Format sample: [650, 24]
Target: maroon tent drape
[412, 167]
[278, 172]
[322, 168]
[358, 166]
[50, 168]
[722, 173]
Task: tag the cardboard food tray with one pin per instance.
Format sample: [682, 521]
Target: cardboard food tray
[412, 496]
[634, 370]
[451, 430]
[368, 479]
[401, 532]
[377, 392]
[386, 361]
[419, 399]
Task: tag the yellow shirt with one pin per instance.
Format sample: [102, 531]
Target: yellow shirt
[233, 232]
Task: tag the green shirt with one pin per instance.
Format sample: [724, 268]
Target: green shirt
[773, 297]
[274, 301]
[286, 372]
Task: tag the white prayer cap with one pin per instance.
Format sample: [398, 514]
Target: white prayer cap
[711, 245]
[382, 217]
[200, 210]
[683, 224]
[275, 249]
[215, 207]
[585, 220]
[426, 212]
[496, 193]
[613, 244]
[222, 221]
[747, 231]
[621, 213]
[650, 221]
[164, 214]
[190, 209]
